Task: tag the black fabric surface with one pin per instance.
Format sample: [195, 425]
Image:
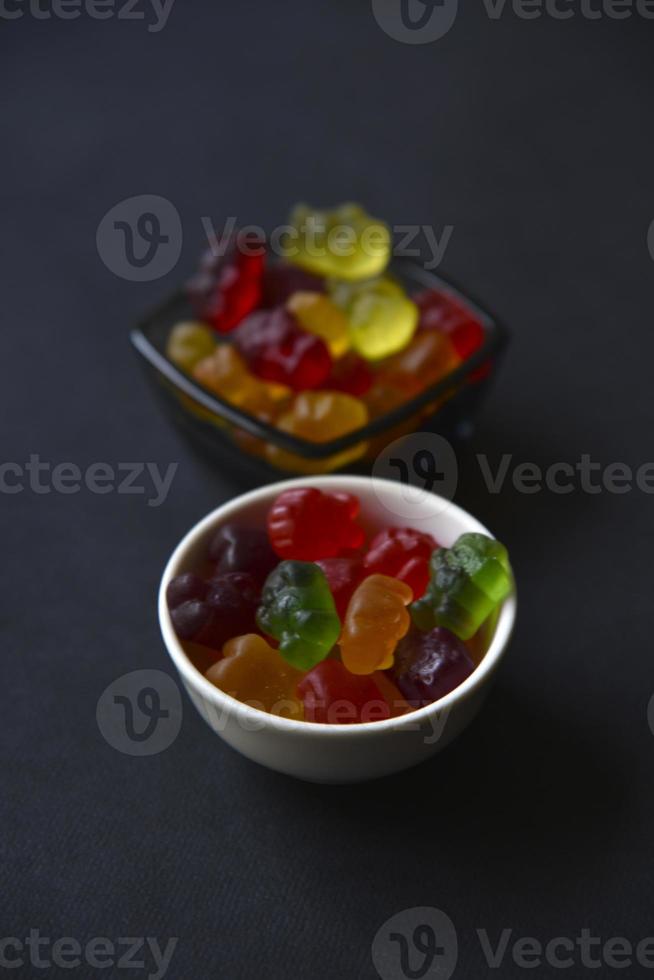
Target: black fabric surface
[534, 140]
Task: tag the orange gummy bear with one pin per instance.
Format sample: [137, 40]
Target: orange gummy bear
[255, 673]
[375, 621]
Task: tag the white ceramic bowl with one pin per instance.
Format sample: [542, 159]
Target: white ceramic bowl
[337, 753]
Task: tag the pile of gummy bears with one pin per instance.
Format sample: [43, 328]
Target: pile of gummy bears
[321, 342]
[308, 620]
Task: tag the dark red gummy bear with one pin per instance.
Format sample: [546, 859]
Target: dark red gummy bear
[351, 375]
[332, 695]
[276, 349]
[430, 665]
[228, 284]
[213, 612]
[401, 553]
[280, 281]
[307, 524]
[441, 312]
[242, 549]
[343, 576]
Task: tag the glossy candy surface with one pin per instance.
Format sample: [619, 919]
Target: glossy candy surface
[235, 548]
[382, 318]
[427, 359]
[375, 621]
[317, 313]
[297, 609]
[345, 242]
[210, 612]
[276, 349]
[306, 524]
[467, 583]
[332, 695]
[281, 280]
[188, 343]
[350, 374]
[343, 576]
[226, 373]
[228, 284]
[252, 671]
[320, 416]
[441, 312]
[401, 553]
[430, 665]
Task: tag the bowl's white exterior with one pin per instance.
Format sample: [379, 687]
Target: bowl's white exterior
[336, 753]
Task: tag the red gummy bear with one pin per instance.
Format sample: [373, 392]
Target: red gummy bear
[278, 350]
[343, 576]
[333, 696]
[281, 280]
[307, 524]
[401, 553]
[350, 374]
[438, 311]
[228, 285]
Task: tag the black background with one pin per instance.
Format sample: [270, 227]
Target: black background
[534, 140]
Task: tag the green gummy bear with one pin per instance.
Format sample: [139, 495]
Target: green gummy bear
[297, 608]
[346, 242]
[468, 582]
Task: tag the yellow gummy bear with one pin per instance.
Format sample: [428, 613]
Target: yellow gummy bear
[317, 313]
[382, 318]
[345, 242]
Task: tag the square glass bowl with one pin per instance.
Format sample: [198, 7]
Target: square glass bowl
[448, 407]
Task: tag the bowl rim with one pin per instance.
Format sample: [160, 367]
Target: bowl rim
[249, 715]
[496, 337]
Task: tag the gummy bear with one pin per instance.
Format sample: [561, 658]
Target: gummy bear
[320, 416]
[227, 286]
[345, 242]
[235, 548]
[382, 318]
[253, 672]
[351, 375]
[430, 665]
[468, 581]
[306, 524]
[375, 621]
[297, 609]
[402, 553]
[316, 313]
[225, 373]
[333, 696]
[189, 343]
[428, 358]
[441, 312]
[277, 350]
[343, 576]
[281, 280]
[211, 612]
